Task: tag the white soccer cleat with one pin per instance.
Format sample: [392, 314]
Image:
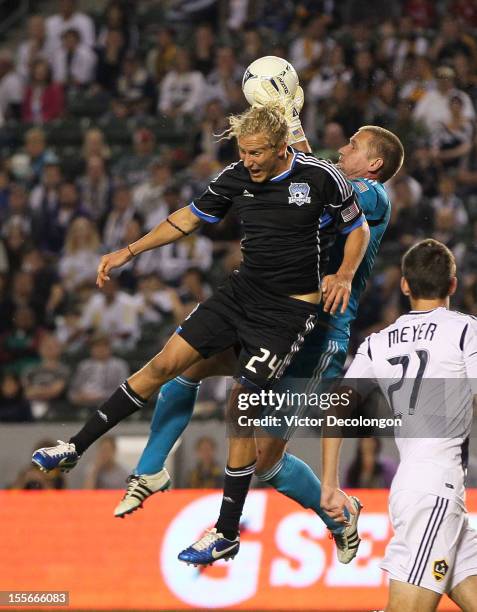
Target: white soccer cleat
[347, 541]
[141, 487]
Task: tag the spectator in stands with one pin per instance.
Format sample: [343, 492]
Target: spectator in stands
[222, 81]
[155, 300]
[94, 144]
[45, 384]
[17, 212]
[452, 39]
[11, 87]
[253, 47]
[407, 44]
[433, 108]
[45, 279]
[34, 48]
[135, 86]
[342, 108]
[16, 243]
[204, 49]
[148, 196]
[22, 294]
[182, 91]
[114, 313]
[133, 168]
[14, 408]
[452, 141]
[447, 199]
[35, 148]
[110, 58]
[66, 19]
[95, 188]
[118, 18]
[19, 345]
[161, 58]
[381, 109]
[50, 226]
[207, 473]
[422, 12]
[214, 122]
[333, 139]
[334, 69]
[81, 254]
[96, 378]
[446, 230]
[121, 213]
[74, 62]
[44, 197]
[194, 251]
[43, 100]
[466, 79]
[198, 177]
[68, 330]
[308, 48]
[104, 472]
[369, 469]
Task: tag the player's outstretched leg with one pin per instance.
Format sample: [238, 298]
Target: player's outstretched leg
[295, 479]
[172, 413]
[223, 541]
[124, 402]
[131, 396]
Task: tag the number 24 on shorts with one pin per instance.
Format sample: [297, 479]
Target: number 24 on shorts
[273, 364]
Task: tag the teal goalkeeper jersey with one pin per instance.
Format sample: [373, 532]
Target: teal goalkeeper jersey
[374, 201]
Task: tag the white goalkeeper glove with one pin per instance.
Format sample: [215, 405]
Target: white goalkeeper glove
[267, 93]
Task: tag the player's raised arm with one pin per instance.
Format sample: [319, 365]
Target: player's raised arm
[333, 500]
[337, 287]
[176, 226]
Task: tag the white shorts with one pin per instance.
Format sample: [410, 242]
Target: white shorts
[433, 546]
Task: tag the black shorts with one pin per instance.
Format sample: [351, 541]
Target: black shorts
[269, 328]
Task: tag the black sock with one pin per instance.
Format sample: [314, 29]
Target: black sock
[122, 403]
[236, 486]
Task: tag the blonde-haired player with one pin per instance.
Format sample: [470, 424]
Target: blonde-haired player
[266, 307]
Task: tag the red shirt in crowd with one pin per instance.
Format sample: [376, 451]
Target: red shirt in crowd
[41, 105]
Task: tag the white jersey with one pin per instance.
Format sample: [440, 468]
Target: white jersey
[426, 365]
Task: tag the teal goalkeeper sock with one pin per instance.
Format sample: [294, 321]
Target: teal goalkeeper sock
[172, 413]
[295, 479]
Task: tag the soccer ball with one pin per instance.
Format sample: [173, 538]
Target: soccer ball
[277, 70]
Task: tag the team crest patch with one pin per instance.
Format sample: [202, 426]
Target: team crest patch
[299, 194]
[440, 569]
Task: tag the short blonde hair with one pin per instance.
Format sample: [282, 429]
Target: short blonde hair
[268, 120]
[386, 145]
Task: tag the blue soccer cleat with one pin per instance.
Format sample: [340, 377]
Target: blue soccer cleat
[62, 456]
[210, 548]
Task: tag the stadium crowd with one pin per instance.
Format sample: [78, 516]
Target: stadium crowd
[109, 123]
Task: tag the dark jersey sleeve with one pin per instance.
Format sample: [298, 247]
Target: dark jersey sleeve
[342, 207]
[214, 203]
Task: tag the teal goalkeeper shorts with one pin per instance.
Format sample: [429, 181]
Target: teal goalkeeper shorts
[320, 361]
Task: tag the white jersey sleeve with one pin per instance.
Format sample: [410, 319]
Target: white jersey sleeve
[469, 349]
[360, 374]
